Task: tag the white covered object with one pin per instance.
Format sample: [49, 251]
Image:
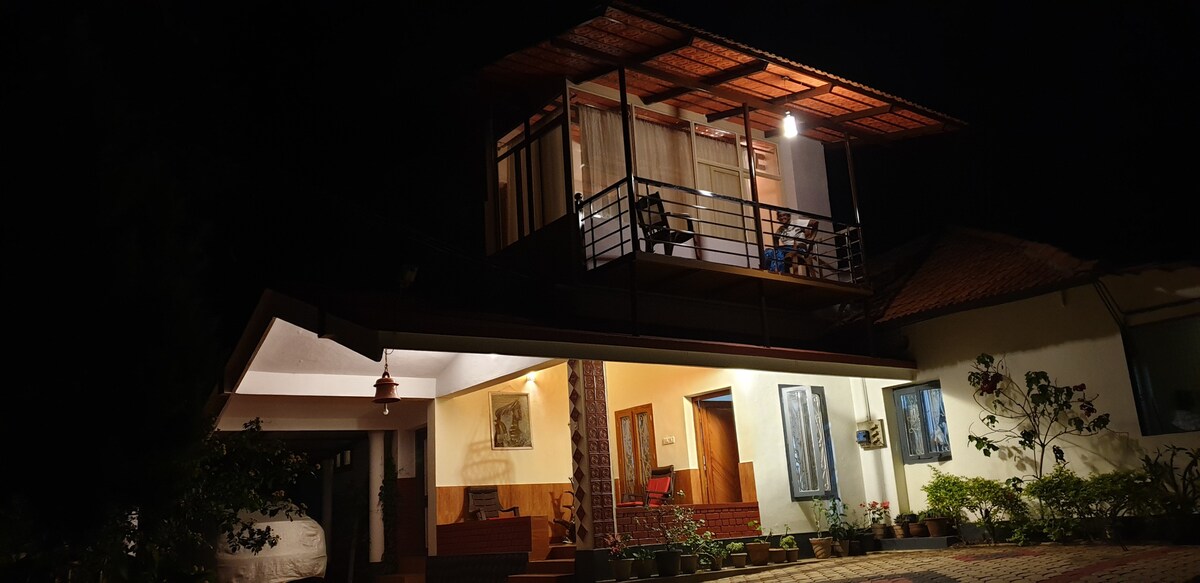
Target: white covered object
[299, 554]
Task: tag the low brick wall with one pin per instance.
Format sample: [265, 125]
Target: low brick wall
[724, 520]
[523, 534]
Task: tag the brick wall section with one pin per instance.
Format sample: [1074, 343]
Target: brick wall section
[724, 520]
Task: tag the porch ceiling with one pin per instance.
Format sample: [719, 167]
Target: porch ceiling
[670, 62]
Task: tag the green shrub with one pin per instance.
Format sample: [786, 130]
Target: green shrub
[736, 547]
[946, 495]
[990, 502]
[1175, 484]
[1059, 499]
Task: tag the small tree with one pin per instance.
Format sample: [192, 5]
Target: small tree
[1034, 417]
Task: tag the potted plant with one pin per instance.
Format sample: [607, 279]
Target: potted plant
[759, 549]
[695, 544]
[715, 552]
[673, 523]
[841, 530]
[778, 554]
[643, 562]
[620, 556]
[822, 544]
[877, 515]
[791, 550]
[900, 524]
[737, 553]
[947, 497]
[916, 527]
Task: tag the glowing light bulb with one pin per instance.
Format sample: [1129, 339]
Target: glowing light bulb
[789, 126]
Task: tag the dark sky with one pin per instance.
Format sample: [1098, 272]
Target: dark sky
[1077, 113]
[171, 159]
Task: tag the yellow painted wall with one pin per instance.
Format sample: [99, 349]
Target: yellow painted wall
[1069, 335]
[463, 447]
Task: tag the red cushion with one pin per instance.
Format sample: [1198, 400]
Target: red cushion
[658, 485]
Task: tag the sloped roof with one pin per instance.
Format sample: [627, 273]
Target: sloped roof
[967, 268]
[674, 63]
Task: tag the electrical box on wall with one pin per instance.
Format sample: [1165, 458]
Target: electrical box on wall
[870, 434]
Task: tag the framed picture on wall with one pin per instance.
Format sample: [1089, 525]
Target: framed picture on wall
[510, 421]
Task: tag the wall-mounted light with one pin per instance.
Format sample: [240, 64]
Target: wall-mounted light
[789, 126]
[385, 387]
[532, 376]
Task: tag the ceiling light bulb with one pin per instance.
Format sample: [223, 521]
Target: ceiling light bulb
[789, 126]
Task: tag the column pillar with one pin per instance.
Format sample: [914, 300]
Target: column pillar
[374, 512]
[591, 465]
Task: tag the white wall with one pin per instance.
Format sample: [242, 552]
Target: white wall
[1072, 337]
[759, 428]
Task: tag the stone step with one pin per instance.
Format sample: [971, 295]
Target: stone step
[561, 552]
[552, 566]
[541, 578]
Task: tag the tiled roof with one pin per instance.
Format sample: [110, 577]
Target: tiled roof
[966, 268]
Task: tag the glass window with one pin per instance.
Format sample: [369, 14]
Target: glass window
[806, 438]
[1166, 374]
[921, 420]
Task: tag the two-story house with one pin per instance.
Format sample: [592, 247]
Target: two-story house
[673, 274]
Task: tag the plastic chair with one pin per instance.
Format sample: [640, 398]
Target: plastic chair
[659, 488]
[483, 503]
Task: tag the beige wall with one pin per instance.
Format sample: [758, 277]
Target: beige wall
[463, 447]
[1069, 335]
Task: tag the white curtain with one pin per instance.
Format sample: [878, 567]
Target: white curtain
[725, 219]
[601, 149]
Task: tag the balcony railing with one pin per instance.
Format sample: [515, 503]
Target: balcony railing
[724, 230]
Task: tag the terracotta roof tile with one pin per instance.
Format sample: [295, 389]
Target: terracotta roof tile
[966, 268]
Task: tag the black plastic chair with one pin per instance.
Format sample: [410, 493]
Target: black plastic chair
[656, 225]
[483, 503]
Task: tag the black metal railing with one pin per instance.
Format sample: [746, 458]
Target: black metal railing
[714, 228]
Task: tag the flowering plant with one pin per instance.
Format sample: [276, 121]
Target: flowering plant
[877, 512]
[618, 545]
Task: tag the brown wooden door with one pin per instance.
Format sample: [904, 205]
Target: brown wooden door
[718, 449]
[636, 454]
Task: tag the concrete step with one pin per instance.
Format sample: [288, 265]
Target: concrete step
[553, 566]
[561, 551]
[541, 578]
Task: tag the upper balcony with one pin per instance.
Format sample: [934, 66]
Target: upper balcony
[630, 104]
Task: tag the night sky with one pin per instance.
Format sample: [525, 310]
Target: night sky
[169, 160]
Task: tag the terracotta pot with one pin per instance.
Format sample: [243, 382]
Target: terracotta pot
[881, 531]
[760, 553]
[739, 559]
[778, 555]
[643, 568]
[668, 562]
[793, 555]
[622, 568]
[939, 526]
[715, 563]
[689, 564]
[822, 547]
[900, 530]
[917, 529]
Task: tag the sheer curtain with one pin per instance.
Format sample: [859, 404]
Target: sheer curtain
[665, 154]
[601, 149]
[725, 219]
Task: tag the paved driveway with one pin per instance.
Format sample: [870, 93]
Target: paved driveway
[1050, 563]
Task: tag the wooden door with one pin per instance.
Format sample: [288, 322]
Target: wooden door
[636, 454]
[717, 448]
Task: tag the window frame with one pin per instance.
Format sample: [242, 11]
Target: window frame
[796, 490]
[901, 423]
